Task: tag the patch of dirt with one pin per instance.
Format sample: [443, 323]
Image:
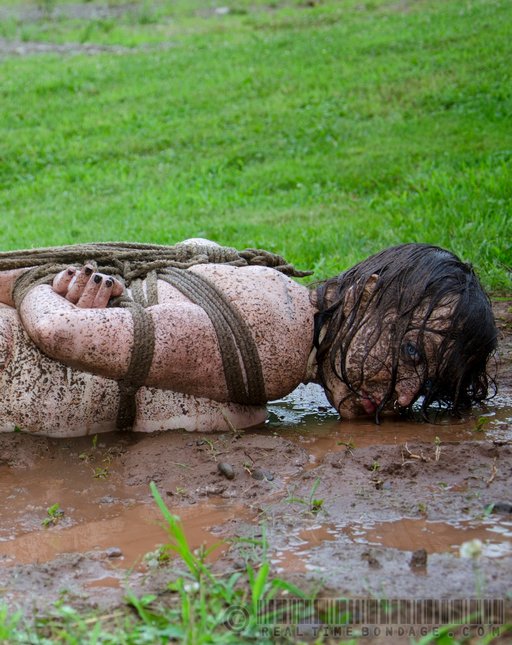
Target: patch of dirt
[22, 48]
[348, 507]
[503, 316]
[78, 11]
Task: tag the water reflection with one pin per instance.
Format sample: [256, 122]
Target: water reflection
[305, 416]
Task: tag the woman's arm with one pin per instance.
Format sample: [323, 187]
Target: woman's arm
[7, 280]
[186, 356]
[63, 323]
[94, 340]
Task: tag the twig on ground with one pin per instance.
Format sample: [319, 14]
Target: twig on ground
[412, 455]
[494, 471]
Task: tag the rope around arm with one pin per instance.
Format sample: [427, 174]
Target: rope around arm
[131, 261]
[135, 262]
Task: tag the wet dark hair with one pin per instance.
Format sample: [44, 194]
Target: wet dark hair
[413, 281]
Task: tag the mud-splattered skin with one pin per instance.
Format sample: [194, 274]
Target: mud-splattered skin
[41, 395]
[63, 352]
[60, 379]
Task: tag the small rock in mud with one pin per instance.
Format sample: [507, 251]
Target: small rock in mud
[260, 474]
[114, 552]
[212, 489]
[107, 499]
[226, 469]
[229, 494]
[502, 507]
[371, 559]
[419, 559]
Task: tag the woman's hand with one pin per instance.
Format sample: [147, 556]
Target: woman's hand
[87, 288]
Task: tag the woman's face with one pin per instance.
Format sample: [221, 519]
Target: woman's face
[369, 365]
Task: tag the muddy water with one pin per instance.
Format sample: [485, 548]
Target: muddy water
[99, 513]
[405, 534]
[102, 512]
[324, 434]
[131, 534]
[306, 418]
[437, 537]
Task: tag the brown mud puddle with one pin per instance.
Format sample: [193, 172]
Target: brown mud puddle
[128, 536]
[96, 512]
[102, 513]
[437, 537]
[407, 534]
[322, 433]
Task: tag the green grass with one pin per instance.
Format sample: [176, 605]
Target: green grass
[324, 133]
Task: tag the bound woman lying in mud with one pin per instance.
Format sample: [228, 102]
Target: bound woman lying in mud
[197, 336]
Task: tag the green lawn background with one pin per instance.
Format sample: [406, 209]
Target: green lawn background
[323, 131]
[320, 129]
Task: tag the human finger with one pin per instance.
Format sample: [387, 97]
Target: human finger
[92, 287]
[62, 280]
[78, 286]
[109, 288]
[117, 287]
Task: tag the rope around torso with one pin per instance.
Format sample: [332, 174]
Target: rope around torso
[134, 263]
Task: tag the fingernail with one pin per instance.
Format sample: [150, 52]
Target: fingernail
[97, 279]
[71, 271]
[109, 282]
[87, 270]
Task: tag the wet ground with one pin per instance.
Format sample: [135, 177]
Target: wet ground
[348, 508]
